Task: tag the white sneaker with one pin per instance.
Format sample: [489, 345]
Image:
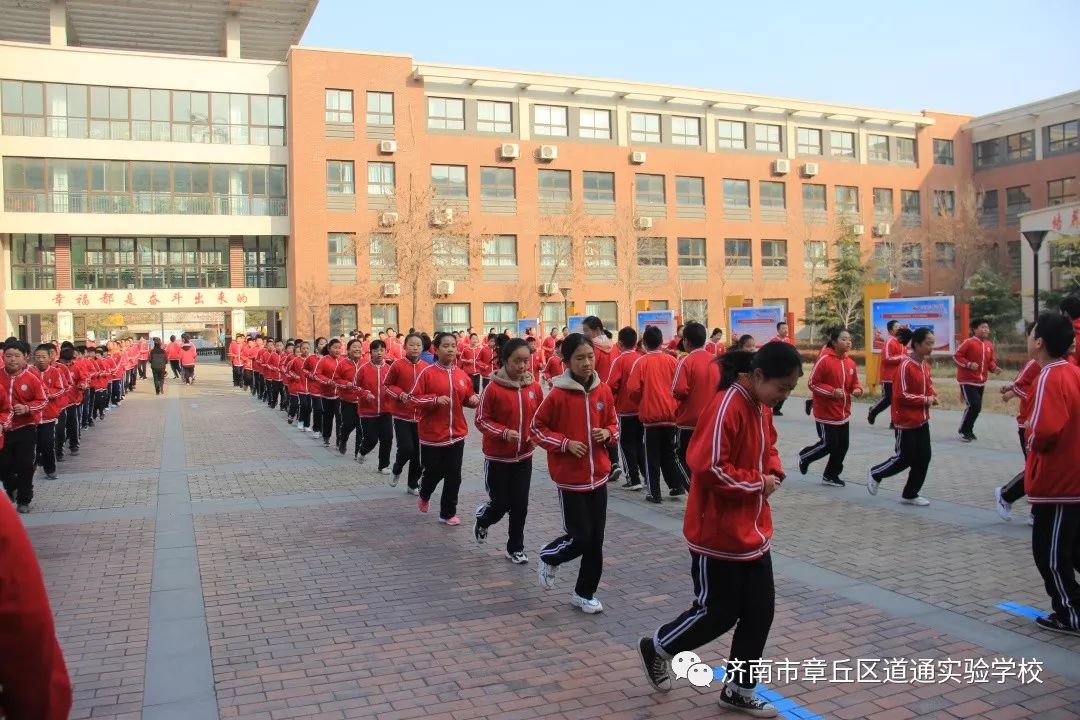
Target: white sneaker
[360, 459]
[1031, 519]
[918, 500]
[385, 471]
[589, 607]
[872, 483]
[518, 558]
[547, 574]
[1004, 509]
[394, 478]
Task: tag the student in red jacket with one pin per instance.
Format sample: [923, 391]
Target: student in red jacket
[484, 359]
[833, 381]
[1070, 305]
[188, 355]
[67, 425]
[504, 418]
[314, 387]
[1050, 476]
[442, 391]
[892, 354]
[974, 362]
[28, 401]
[716, 345]
[554, 366]
[324, 372]
[576, 424]
[1022, 387]
[53, 382]
[631, 433]
[299, 387]
[374, 407]
[399, 381]
[693, 386]
[649, 385]
[172, 352]
[347, 382]
[235, 360]
[605, 352]
[913, 397]
[728, 525]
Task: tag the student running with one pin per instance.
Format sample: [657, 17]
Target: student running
[974, 363]
[834, 381]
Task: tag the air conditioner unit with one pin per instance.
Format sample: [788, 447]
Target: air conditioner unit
[548, 152]
[643, 223]
[858, 229]
[388, 218]
[638, 157]
[444, 287]
[549, 288]
[810, 169]
[388, 146]
[882, 229]
[509, 151]
[781, 167]
[391, 289]
[444, 216]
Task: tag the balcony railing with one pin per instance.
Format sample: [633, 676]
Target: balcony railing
[140, 203]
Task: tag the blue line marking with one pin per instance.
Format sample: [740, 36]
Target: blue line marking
[787, 707]
[1021, 610]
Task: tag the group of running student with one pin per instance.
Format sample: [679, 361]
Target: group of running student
[49, 396]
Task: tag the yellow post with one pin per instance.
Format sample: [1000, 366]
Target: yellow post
[641, 305]
[872, 291]
[731, 301]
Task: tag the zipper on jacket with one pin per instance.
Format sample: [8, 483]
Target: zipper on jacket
[521, 420]
[450, 382]
[588, 443]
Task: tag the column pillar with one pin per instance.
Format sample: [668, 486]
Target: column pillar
[58, 34]
[232, 35]
[239, 321]
[65, 326]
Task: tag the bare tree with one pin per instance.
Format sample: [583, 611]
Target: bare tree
[963, 243]
[562, 250]
[815, 265]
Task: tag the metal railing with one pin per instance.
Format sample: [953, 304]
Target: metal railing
[140, 203]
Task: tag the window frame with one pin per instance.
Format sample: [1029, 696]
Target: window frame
[691, 252]
[1025, 146]
[685, 195]
[593, 131]
[383, 187]
[686, 128]
[344, 181]
[553, 192]
[33, 267]
[341, 115]
[1067, 193]
[442, 184]
[652, 252]
[601, 252]
[737, 259]
[646, 133]
[1069, 140]
[648, 195]
[447, 121]
[494, 255]
[551, 127]
[846, 148]
[599, 194]
[730, 140]
[944, 152]
[380, 112]
[874, 149]
[495, 124]
[771, 259]
[736, 189]
[765, 144]
[341, 249]
[805, 143]
[497, 190]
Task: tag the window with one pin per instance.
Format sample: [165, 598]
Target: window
[905, 149]
[33, 262]
[497, 183]
[781, 303]
[944, 202]
[696, 310]
[500, 251]
[644, 127]
[841, 144]
[945, 254]
[599, 186]
[339, 106]
[813, 197]
[986, 153]
[943, 152]
[264, 261]
[553, 314]
[380, 108]
[339, 177]
[449, 181]
[652, 252]
[807, 141]
[380, 178]
[847, 199]
[731, 134]
[555, 251]
[594, 124]
[772, 195]
[1060, 191]
[737, 253]
[549, 120]
[493, 117]
[767, 138]
[911, 260]
[500, 314]
[689, 191]
[988, 205]
[814, 255]
[649, 189]
[883, 202]
[606, 310]
[554, 186]
[1021, 146]
[910, 206]
[342, 319]
[446, 113]
[685, 130]
[774, 253]
[1013, 249]
[600, 252]
[381, 252]
[449, 252]
[450, 317]
[1061, 137]
[1017, 200]
[384, 315]
[342, 249]
[736, 193]
[878, 147]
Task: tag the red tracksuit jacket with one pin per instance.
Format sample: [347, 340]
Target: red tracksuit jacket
[732, 450]
[980, 352]
[314, 388]
[603, 350]
[554, 368]
[1074, 358]
[188, 353]
[1023, 387]
[1050, 475]
[650, 384]
[831, 372]
[345, 380]
[401, 378]
[325, 370]
[909, 408]
[466, 359]
[507, 405]
[570, 413]
[891, 356]
[53, 380]
[294, 379]
[618, 375]
[443, 424]
[25, 388]
[694, 386]
[484, 360]
[372, 396]
[5, 412]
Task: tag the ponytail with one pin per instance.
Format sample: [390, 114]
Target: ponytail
[904, 335]
[774, 360]
[732, 364]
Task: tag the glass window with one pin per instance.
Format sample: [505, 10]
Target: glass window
[1063, 136]
[910, 205]
[696, 310]
[380, 108]
[500, 251]
[599, 186]
[774, 253]
[731, 134]
[380, 177]
[1013, 249]
[814, 254]
[1061, 191]
[33, 262]
[553, 314]
[341, 249]
[945, 254]
[847, 199]
[736, 193]
[500, 314]
[772, 195]
[600, 252]
[649, 189]
[841, 143]
[449, 181]
[264, 261]
[342, 319]
[905, 149]
[452, 317]
[497, 183]
[737, 252]
[549, 120]
[446, 113]
[1017, 199]
[944, 202]
[813, 197]
[1021, 146]
[554, 185]
[493, 117]
[644, 127]
[595, 124]
[384, 315]
[808, 141]
[986, 153]
[555, 251]
[689, 191]
[381, 251]
[339, 177]
[652, 252]
[883, 202]
[987, 202]
[943, 152]
[606, 310]
[911, 260]
[691, 252]
[450, 252]
[767, 138]
[685, 130]
[877, 147]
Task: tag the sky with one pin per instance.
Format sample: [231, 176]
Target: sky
[964, 56]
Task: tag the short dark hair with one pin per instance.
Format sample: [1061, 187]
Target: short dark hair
[571, 343]
[1070, 305]
[977, 322]
[44, 347]
[67, 354]
[1056, 332]
[891, 324]
[376, 345]
[510, 347]
[628, 337]
[693, 335]
[782, 322]
[833, 335]
[653, 337]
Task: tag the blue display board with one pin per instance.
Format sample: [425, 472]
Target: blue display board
[663, 319]
[524, 325]
[936, 313]
[573, 323]
[758, 322]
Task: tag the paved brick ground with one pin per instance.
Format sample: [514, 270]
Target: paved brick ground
[326, 594]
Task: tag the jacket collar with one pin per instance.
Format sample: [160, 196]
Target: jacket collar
[566, 381]
[500, 377]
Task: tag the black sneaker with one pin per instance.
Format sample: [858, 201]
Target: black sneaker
[616, 474]
[803, 466]
[966, 438]
[73, 452]
[870, 418]
[23, 508]
[656, 500]
[479, 532]
[832, 482]
[1052, 623]
[633, 485]
[676, 492]
[809, 405]
[59, 458]
[51, 476]
[752, 705]
[656, 667]
[777, 413]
